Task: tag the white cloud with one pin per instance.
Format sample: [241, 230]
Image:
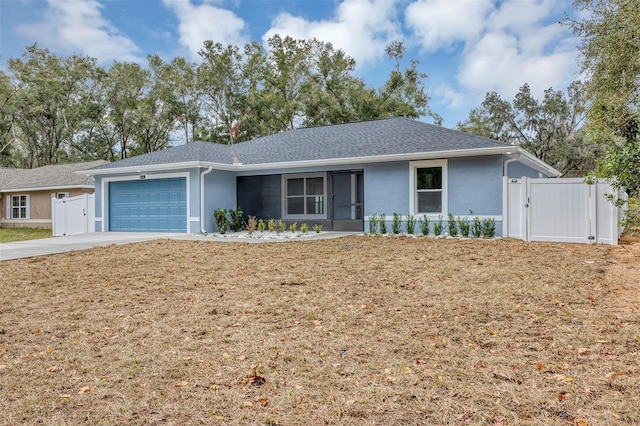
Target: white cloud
[206, 22]
[78, 26]
[362, 28]
[440, 23]
[501, 49]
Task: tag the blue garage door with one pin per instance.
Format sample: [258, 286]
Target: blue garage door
[148, 205]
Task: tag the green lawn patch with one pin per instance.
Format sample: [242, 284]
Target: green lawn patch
[8, 235]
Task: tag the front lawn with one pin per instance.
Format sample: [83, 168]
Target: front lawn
[8, 235]
[357, 330]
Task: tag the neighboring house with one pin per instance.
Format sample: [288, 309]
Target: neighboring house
[25, 194]
[337, 176]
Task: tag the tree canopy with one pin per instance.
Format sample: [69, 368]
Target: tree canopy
[610, 48]
[552, 128]
[56, 108]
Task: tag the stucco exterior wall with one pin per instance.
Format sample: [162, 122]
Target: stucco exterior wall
[518, 170]
[39, 207]
[219, 193]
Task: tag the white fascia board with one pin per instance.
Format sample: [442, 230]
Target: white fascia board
[46, 188]
[144, 169]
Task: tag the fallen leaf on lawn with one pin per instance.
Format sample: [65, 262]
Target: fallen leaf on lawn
[582, 422]
[181, 384]
[247, 404]
[84, 389]
[50, 369]
[264, 402]
[65, 395]
[583, 351]
[37, 331]
[49, 350]
[561, 396]
[539, 366]
[406, 370]
[254, 378]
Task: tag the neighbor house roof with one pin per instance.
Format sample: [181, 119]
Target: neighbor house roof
[56, 176]
[367, 141]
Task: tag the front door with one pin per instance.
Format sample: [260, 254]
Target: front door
[347, 201]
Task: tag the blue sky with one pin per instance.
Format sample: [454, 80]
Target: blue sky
[467, 47]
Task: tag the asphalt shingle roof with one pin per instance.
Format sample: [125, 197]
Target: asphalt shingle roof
[351, 140]
[58, 175]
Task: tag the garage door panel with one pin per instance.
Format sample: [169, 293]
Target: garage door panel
[148, 205]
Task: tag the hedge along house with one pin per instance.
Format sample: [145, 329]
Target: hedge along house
[337, 176]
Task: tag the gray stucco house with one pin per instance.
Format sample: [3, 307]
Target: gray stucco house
[337, 176]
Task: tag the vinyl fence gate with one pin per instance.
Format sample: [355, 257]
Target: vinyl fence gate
[560, 210]
[74, 215]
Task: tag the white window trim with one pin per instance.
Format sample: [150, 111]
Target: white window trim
[61, 195]
[10, 207]
[413, 174]
[285, 177]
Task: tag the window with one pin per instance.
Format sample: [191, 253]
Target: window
[304, 195]
[61, 195]
[429, 187]
[19, 207]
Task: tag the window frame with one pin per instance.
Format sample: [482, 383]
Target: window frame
[26, 206]
[413, 187]
[285, 196]
[61, 195]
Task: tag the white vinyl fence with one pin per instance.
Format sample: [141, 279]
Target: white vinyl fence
[73, 215]
[560, 210]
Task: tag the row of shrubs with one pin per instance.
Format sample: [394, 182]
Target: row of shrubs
[233, 220]
[455, 226]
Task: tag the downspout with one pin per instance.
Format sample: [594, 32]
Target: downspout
[209, 170]
[510, 160]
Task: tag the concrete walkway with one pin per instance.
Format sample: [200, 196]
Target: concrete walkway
[53, 245]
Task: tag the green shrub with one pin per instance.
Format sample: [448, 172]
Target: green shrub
[464, 226]
[304, 228]
[317, 228]
[293, 227]
[236, 221]
[271, 225]
[476, 229]
[382, 222]
[438, 227]
[489, 228]
[424, 225]
[261, 225]
[373, 224]
[453, 226]
[411, 224]
[280, 226]
[395, 223]
[220, 217]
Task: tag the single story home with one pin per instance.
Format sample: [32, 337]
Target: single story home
[25, 194]
[337, 176]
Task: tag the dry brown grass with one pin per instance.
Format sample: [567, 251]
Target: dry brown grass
[359, 330]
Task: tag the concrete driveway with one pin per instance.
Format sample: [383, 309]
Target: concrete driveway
[53, 245]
